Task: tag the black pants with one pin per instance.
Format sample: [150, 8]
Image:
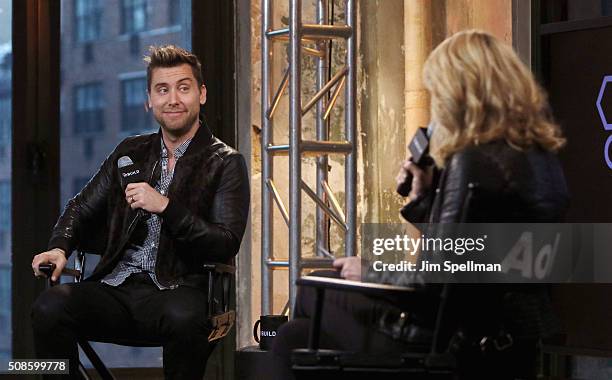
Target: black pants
[348, 323]
[136, 309]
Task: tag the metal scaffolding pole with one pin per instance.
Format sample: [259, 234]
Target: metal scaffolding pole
[328, 207]
[322, 126]
[267, 167]
[350, 184]
[295, 141]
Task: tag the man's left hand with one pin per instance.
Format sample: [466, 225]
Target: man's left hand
[142, 195]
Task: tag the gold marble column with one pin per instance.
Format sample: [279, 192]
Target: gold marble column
[417, 46]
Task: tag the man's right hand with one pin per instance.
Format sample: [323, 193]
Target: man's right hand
[55, 256]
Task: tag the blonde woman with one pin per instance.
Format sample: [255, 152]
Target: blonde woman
[494, 147]
[487, 106]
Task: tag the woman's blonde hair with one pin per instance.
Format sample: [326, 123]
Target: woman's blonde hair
[480, 92]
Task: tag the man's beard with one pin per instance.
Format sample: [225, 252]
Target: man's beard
[184, 128]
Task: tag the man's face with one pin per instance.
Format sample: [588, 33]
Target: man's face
[175, 98]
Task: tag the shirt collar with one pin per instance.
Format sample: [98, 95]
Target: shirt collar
[178, 152]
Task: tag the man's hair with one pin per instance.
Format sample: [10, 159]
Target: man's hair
[480, 92]
[171, 56]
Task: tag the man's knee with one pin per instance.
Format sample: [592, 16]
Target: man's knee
[184, 323]
[50, 307]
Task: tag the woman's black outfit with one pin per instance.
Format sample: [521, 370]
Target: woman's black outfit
[488, 183]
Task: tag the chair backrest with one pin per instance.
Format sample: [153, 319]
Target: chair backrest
[220, 316]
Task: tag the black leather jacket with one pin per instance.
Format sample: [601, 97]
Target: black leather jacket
[203, 222]
[511, 186]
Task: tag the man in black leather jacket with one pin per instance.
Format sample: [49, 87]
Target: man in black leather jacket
[152, 236]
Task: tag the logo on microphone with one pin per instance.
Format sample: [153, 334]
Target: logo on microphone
[129, 174]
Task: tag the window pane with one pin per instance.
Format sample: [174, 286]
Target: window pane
[174, 12]
[102, 99]
[133, 117]
[88, 16]
[6, 63]
[89, 108]
[135, 14]
[569, 10]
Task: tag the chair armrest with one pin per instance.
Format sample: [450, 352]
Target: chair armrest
[219, 268]
[367, 288]
[49, 268]
[220, 316]
[220, 277]
[391, 293]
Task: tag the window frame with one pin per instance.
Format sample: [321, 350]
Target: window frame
[35, 152]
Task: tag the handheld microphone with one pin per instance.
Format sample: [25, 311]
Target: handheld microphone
[131, 173]
[419, 155]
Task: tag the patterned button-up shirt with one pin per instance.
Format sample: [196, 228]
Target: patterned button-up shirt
[137, 259]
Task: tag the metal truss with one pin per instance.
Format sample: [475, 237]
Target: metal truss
[300, 37]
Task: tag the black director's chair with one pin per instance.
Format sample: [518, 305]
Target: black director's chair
[220, 318]
[435, 361]
[423, 361]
